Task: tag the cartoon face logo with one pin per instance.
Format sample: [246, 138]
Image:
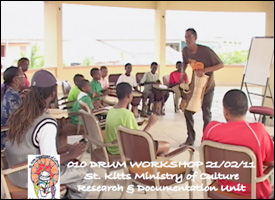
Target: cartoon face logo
[44, 175]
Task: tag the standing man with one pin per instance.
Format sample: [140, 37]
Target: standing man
[206, 57]
[24, 64]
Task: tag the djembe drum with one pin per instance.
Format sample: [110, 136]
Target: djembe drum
[159, 91]
[110, 100]
[195, 102]
[137, 96]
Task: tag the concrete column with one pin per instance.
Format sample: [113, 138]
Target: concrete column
[160, 36]
[270, 32]
[53, 35]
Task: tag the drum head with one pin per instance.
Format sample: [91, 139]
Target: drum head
[185, 87]
[137, 94]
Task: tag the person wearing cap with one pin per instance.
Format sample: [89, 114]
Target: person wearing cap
[10, 97]
[33, 131]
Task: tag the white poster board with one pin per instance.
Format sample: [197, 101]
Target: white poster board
[259, 61]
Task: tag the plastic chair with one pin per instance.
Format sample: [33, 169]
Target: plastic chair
[138, 146]
[218, 152]
[95, 137]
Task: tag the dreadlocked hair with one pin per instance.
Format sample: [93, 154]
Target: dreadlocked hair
[32, 106]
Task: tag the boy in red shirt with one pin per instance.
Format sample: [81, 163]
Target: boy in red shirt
[237, 131]
[176, 78]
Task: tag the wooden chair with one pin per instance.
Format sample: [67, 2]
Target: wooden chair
[12, 191]
[139, 76]
[98, 113]
[138, 146]
[112, 78]
[165, 80]
[63, 102]
[66, 87]
[215, 152]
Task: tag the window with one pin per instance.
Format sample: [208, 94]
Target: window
[22, 32]
[95, 35]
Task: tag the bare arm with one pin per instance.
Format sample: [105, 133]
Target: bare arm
[152, 120]
[214, 68]
[73, 152]
[174, 84]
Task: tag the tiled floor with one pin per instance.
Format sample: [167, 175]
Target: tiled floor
[172, 128]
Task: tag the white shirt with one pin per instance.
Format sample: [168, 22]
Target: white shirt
[128, 79]
[46, 137]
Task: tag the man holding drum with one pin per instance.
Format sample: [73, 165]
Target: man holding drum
[204, 62]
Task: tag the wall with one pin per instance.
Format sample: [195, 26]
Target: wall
[229, 75]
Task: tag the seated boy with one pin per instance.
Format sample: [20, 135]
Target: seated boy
[119, 115]
[97, 89]
[74, 92]
[176, 78]
[74, 126]
[104, 74]
[100, 95]
[127, 78]
[149, 79]
[237, 131]
[84, 97]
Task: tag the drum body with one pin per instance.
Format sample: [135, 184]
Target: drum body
[195, 102]
[159, 92]
[137, 96]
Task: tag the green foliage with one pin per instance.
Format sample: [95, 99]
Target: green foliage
[236, 57]
[88, 61]
[36, 59]
[23, 54]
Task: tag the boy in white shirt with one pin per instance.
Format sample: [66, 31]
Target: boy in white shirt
[127, 78]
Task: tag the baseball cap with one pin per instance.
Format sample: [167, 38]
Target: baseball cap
[43, 78]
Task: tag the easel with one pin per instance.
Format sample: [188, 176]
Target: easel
[258, 67]
[267, 86]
